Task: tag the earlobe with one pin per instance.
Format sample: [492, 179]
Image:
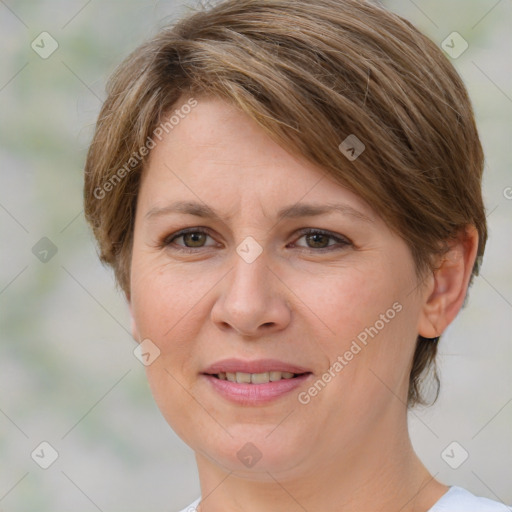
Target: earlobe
[450, 281]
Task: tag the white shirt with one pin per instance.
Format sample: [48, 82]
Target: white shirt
[456, 499]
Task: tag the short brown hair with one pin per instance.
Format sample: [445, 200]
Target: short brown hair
[311, 73]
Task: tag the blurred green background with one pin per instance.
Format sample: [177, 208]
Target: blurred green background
[67, 371]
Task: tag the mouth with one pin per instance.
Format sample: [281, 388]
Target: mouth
[251, 383]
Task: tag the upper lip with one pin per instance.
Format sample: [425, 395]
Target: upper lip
[256, 366]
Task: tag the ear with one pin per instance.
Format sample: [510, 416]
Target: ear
[448, 284]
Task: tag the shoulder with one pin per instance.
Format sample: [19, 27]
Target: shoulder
[458, 499]
[192, 506]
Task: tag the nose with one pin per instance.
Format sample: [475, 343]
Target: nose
[252, 299]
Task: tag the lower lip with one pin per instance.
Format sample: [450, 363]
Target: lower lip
[254, 394]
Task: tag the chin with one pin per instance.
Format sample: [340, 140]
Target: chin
[255, 452]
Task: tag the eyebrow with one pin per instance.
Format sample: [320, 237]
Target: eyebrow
[289, 212]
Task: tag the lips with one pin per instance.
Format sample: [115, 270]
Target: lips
[254, 367]
[253, 383]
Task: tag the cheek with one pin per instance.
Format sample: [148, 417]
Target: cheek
[166, 306]
[163, 297]
[366, 318]
[345, 301]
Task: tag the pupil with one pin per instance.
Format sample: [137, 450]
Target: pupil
[317, 239]
[194, 238]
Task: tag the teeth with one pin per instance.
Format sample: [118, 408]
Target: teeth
[243, 378]
[275, 376]
[259, 378]
[255, 378]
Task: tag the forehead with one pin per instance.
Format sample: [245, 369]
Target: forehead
[217, 154]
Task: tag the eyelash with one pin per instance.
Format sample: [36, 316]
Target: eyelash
[168, 240]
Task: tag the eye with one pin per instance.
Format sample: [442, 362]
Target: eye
[319, 239]
[193, 238]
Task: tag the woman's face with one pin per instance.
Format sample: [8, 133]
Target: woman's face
[331, 295]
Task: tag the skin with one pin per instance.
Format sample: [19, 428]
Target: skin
[348, 449]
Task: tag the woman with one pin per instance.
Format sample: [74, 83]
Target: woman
[289, 193]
